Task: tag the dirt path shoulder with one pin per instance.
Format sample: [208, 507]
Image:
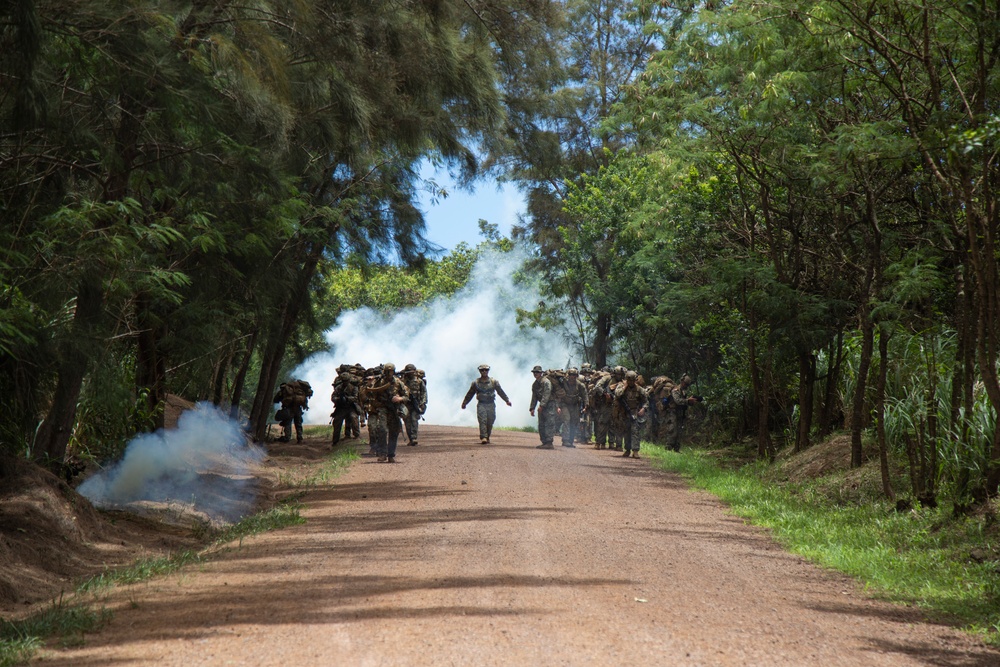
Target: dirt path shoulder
[501, 554]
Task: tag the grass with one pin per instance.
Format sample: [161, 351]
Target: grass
[21, 640]
[521, 429]
[919, 557]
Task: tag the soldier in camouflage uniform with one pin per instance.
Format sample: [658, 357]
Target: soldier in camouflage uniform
[345, 402]
[572, 404]
[542, 398]
[633, 401]
[589, 377]
[601, 398]
[616, 433]
[659, 397]
[676, 412]
[417, 388]
[389, 397]
[485, 389]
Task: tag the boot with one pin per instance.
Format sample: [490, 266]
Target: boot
[626, 454]
[392, 459]
[635, 453]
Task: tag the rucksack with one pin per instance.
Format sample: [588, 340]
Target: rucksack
[296, 392]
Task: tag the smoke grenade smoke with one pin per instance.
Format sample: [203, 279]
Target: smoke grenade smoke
[206, 461]
[448, 338]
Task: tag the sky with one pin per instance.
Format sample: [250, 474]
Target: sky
[456, 218]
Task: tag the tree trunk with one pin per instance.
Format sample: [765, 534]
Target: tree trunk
[858, 416]
[57, 427]
[883, 449]
[835, 361]
[150, 370]
[602, 332]
[241, 376]
[275, 350]
[807, 380]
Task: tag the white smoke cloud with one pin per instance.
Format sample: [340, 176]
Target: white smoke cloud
[206, 461]
[448, 338]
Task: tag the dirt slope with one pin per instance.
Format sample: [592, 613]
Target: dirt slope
[465, 554]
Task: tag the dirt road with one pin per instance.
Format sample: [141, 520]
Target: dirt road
[501, 554]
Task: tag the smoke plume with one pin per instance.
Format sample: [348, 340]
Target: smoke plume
[205, 462]
[448, 338]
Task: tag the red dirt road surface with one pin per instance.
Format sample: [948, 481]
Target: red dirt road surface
[501, 554]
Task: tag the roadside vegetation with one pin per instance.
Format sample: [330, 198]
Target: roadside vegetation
[917, 556]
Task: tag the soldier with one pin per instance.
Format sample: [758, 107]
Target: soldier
[632, 399]
[417, 387]
[572, 404]
[345, 402]
[589, 377]
[294, 398]
[389, 399]
[601, 398]
[659, 395]
[368, 406]
[676, 413]
[618, 426]
[485, 389]
[542, 398]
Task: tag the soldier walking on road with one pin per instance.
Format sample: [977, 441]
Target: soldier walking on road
[389, 398]
[572, 405]
[417, 387]
[485, 389]
[632, 400]
[345, 402]
[542, 398]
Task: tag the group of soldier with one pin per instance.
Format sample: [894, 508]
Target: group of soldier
[614, 406]
[388, 401]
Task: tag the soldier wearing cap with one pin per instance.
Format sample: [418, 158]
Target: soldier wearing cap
[485, 389]
[572, 404]
[417, 387]
[389, 397]
[633, 400]
[543, 398]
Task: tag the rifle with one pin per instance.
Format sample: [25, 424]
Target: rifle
[626, 408]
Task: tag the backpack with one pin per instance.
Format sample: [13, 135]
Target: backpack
[296, 392]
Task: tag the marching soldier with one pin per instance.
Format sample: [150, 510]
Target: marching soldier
[485, 389]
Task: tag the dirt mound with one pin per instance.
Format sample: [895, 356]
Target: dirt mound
[173, 407]
[51, 536]
[831, 455]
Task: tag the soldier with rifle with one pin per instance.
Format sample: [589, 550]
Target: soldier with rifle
[632, 400]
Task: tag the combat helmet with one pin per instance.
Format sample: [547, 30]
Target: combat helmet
[409, 368]
[484, 367]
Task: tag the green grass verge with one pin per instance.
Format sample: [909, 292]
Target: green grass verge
[919, 557]
[521, 429]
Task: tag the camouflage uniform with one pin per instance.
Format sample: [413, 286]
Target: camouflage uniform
[345, 403]
[675, 413]
[384, 423]
[589, 378]
[601, 398]
[291, 411]
[572, 403]
[618, 419]
[485, 389]
[659, 395]
[417, 388]
[542, 398]
[633, 402]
